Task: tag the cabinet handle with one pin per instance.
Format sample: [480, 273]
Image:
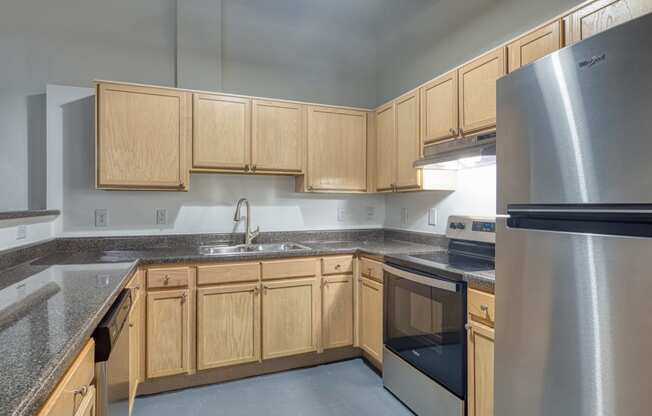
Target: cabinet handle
[166, 280]
[81, 391]
[247, 167]
[253, 168]
[265, 290]
[369, 271]
[484, 308]
[256, 291]
[453, 131]
[183, 298]
[338, 266]
[461, 131]
[310, 188]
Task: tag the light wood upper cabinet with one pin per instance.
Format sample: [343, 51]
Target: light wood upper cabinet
[480, 370]
[477, 84]
[601, 15]
[291, 317]
[143, 137]
[228, 325]
[221, 132]
[168, 338]
[278, 137]
[534, 45]
[439, 108]
[408, 143]
[337, 311]
[370, 317]
[386, 147]
[337, 150]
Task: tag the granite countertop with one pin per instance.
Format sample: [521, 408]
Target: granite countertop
[46, 315]
[484, 280]
[50, 306]
[14, 215]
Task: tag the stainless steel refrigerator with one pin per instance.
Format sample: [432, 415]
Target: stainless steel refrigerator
[574, 244]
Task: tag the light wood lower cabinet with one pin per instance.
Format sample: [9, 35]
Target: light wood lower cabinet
[136, 325]
[480, 370]
[75, 393]
[168, 333]
[370, 317]
[337, 311]
[228, 325]
[480, 397]
[290, 317]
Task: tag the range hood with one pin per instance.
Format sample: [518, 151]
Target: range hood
[467, 152]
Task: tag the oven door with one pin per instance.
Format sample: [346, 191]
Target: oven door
[424, 319]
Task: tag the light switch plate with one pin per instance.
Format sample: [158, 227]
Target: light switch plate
[161, 216]
[101, 217]
[432, 216]
[341, 214]
[21, 232]
[371, 213]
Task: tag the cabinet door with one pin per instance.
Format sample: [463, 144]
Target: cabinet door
[278, 137]
[480, 370]
[228, 325]
[601, 15]
[385, 147]
[370, 317]
[534, 45]
[337, 311]
[134, 350]
[337, 150]
[439, 109]
[408, 147]
[168, 341]
[477, 82]
[143, 137]
[290, 317]
[221, 132]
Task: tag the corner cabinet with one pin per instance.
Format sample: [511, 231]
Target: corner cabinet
[477, 83]
[337, 151]
[601, 15]
[143, 137]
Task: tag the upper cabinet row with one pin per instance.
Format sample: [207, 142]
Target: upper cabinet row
[152, 138]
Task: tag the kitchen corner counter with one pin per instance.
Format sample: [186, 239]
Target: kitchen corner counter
[50, 306]
[47, 312]
[484, 281]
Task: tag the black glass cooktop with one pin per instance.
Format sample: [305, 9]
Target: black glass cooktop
[463, 263]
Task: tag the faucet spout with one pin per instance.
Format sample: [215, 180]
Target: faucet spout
[249, 235]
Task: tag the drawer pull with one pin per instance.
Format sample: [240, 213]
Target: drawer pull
[338, 266]
[81, 391]
[166, 280]
[183, 298]
[256, 291]
[484, 308]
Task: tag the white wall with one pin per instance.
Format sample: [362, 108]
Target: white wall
[207, 208]
[475, 195]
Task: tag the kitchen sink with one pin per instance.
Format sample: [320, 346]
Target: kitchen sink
[253, 248]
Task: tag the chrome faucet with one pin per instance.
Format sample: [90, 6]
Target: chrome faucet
[249, 235]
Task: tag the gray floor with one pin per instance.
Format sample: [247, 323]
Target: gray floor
[345, 388]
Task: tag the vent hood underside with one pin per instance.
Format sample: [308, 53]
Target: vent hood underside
[464, 153]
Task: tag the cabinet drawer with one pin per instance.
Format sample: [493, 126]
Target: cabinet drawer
[279, 269]
[481, 307]
[228, 273]
[337, 265]
[74, 386]
[371, 269]
[168, 277]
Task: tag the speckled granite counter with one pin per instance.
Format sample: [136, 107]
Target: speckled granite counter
[50, 306]
[47, 312]
[484, 280]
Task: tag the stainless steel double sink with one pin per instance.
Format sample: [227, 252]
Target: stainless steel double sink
[219, 250]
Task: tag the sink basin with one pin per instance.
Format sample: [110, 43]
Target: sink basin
[254, 248]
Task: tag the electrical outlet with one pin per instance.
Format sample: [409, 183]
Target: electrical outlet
[404, 216]
[432, 216]
[101, 217]
[371, 213]
[21, 232]
[161, 216]
[341, 214]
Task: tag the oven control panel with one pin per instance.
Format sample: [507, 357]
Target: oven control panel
[472, 228]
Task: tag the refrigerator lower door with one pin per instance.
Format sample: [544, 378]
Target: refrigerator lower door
[573, 324]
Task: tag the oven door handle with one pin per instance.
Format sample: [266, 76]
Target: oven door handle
[428, 281]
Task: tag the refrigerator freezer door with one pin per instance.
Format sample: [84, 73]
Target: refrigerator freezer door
[574, 127]
[573, 326]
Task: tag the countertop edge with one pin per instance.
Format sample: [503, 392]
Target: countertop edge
[36, 397]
